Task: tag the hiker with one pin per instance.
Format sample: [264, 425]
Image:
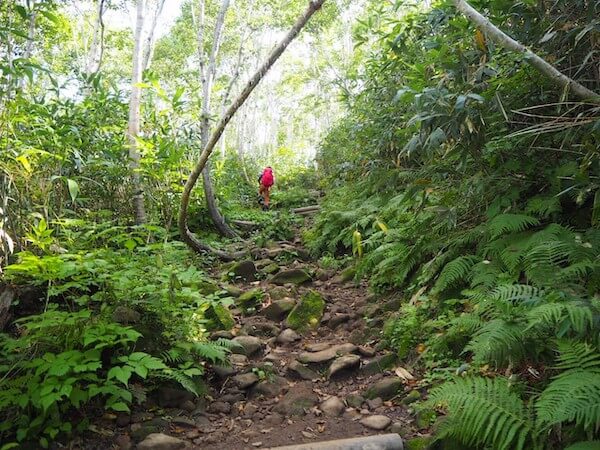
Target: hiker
[265, 180]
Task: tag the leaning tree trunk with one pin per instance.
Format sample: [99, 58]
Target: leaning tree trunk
[542, 66]
[207, 73]
[133, 128]
[191, 240]
[149, 47]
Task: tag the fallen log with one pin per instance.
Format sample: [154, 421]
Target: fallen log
[307, 210]
[376, 442]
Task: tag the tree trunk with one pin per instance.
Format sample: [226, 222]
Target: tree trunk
[207, 74]
[96, 51]
[133, 129]
[192, 241]
[545, 68]
[149, 47]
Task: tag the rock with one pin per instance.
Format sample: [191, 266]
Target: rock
[323, 275]
[357, 336]
[122, 420]
[374, 403]
[262, 263]
[332, 407]
[378, 364]
[411, 397]
[249, 345]
[355, 400]
[224, 371]
[125, 315]
[348, 274]
[278, 309]
[245, 380]
[317, 347]
[297, 400]
[262, 329]
[376, 422]
[221, 334]
[238, 360]
[220, 316]
[288, 336]
[183, 422]
[123, 442]
[271, 269]
[302, 371]
[250, 300]
[232, 290]
[278, 293]
[366, 351]
[250, 409]
[307, 313]
[159, 441]
[208, 287]
[232, 397]
[271, 387]
[398, 428]
[219, 408]
[386, 388]
[173, 398]
[343, 363]
[246, 270]
[326, 355]
[293, 276]
[188, 406]
[337, 320]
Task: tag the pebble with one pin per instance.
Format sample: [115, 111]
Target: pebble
[376, 422]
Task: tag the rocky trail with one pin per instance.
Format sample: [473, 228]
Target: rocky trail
[306, 368]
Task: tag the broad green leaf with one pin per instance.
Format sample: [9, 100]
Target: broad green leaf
[73, 189]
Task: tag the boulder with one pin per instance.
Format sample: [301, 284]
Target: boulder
[292, 276]
[246, 270]
[270, 387]
[326, 355]
[278, 293]
[307, 313]
[249, 345]
[245, 380]
[159, 441]
[378, 364]
[332, 407]
[288, 336]
[250, 300]
[385, 389]
[278, 309]
[297, 401]
[376, 422]
[301, 371]
[262, 329]
[343, 363]
[220, 316]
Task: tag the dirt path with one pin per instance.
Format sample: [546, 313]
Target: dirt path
[287, 387]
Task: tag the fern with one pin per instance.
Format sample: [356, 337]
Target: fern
[574, 394]
[564, 316]
[510, 223]
[455, 271]
[485, 412]
[589, 445]
[498, 342]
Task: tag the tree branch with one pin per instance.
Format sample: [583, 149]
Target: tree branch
[541, 65]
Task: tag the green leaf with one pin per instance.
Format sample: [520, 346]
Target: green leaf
[73, 189]
[120, 373]
[119, 406]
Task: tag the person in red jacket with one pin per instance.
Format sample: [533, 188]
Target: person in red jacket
[266, 180]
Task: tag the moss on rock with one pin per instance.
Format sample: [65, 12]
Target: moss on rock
[308, 312]
[250, 300]
[293, 276]
[220, 316]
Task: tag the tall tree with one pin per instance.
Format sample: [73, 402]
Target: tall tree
[540, 64]
[149, 47]
[96, 52]
[133, 128]
[192, 241]
[208, 67]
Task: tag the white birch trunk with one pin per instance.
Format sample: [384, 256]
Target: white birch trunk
[149, 47]
[133, 129]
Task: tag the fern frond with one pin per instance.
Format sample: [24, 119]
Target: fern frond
[565, 316]
[510, 223]
[517, 293]
[589, 445]
[498, 342]
[485, 412]
[455, 271]
[212, 351]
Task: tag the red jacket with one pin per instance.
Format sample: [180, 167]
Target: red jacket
[267, 178]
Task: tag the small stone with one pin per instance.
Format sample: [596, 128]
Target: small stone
[188, 406]
[293, 276]
[261, 329]
[398, 428]
[270, 388]
[297, 401]
[232, 397]
[302, 371]
[279, 309]
[219, 408]
[366, 351]
[374, 403]
[326, 355]
[355, 400]
[123, 441]
[183, 422]
[376, 422]
[246, 270]
[288, 336]
[318, 347]
[123, 420]
[337, 320]
[378, 364]
[386, 388]
[332, 407]
[343, 363]
[160, 441]
[278, 293]
[224, 371]
[411, 397]
[172, 397]
[249, 345]
[245, 380]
